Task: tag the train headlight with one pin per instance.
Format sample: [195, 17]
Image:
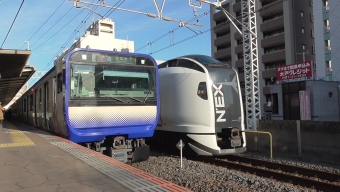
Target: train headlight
[202, 90]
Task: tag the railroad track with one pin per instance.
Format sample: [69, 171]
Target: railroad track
[301, 176]
[310, 178]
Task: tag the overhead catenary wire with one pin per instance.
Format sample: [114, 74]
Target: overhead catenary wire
[171, 32]
[89, 14]
[12, 24]
[115, 6]
[57, 31]
[44, 23]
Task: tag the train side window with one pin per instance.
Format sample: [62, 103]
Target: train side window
[172, 63]
[189, 64]
[59, 83]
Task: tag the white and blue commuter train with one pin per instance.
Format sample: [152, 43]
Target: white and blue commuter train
[201, 104]
[108, 101]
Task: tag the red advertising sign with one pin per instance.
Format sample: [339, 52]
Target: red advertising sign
[294, 71]
[305, 113]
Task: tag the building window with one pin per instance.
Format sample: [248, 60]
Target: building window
[313, 49]
[303, 46]
[311, 2]
[302, 13]
[302, 30]
[240, 56]
[312, 33]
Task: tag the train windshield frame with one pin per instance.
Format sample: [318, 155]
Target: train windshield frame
[206, 59]
[94, 75]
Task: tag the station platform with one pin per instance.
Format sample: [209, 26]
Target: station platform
[35, 160]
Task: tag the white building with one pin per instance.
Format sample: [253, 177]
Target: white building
[101, 35]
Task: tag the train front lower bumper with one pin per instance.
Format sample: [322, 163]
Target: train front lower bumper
[207, 145]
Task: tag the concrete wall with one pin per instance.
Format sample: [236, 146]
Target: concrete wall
[319, 140]
[324, 100]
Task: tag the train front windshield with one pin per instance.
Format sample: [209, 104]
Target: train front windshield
[99, 75]
[226, 95]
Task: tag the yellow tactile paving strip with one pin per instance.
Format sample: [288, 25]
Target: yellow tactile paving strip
[19, 139]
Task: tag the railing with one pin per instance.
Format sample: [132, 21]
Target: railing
[276, 17]
[326, 29]
[279, 33]
[328, 71]
[274, 51]
[325, 8]
[328, 49]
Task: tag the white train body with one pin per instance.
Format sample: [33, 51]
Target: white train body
[201, 104]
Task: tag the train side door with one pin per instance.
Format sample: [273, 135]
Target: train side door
[35, 108]
[54, 108]
[46, 104]
[60, 101]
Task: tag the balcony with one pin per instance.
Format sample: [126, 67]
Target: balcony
[328, 49]
[326, 29]
[225, 39]
[237, 36]
[266, 90]
[223, 53]
[269, 73]
[328, 71]
[274, 40]
[237, 6]
[325, 9]
[272, 25]
[219, 16]
[221, 28]
[239, 63]
[272, 8]
[274, 56]
[241, 77]
[267, 108]
[239, 49]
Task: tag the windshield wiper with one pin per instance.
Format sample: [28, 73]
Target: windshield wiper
[116, 99]
[146, 97]
[136, 99]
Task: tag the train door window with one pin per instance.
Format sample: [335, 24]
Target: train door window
[172, 63]
[31, 102]
[59, 83]
[189, 64]
[35, 100]
[40, 99]
[24, 105]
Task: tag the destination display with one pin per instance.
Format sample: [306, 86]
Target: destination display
[109, 58]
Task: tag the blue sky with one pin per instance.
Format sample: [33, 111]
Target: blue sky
[135, 27]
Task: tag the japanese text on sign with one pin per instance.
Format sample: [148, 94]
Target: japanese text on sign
[294, 71]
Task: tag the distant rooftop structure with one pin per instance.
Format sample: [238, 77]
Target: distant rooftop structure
[101, 35]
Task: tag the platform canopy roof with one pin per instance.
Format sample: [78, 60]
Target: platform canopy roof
[14, 73]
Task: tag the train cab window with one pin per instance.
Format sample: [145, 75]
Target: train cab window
[60, 83]
[163, 65]
[172, 63]
[189, 64]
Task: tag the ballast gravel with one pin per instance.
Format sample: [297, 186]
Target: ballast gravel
[198, 176]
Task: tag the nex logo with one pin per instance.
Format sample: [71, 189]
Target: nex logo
[219, 103]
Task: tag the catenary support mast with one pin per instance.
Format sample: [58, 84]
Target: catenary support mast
[250, 52]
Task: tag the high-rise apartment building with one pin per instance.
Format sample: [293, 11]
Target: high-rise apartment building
[288, 32]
